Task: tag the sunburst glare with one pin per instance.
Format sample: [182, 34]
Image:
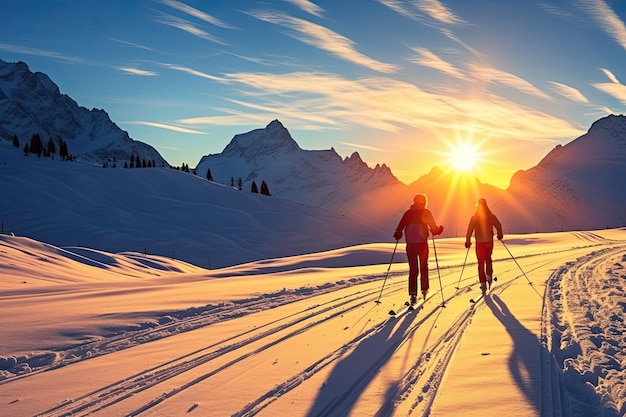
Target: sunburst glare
[464, 157]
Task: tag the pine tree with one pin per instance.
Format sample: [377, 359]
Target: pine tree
[254, 188]
[52, 147]
[36, 146]
[16, 142]
[232, 182]
[63, 151]
[209, 176]
[240, 184]
[264, 189]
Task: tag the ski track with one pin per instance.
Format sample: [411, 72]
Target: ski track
[123, 389]
[580, 333]
[584, 329]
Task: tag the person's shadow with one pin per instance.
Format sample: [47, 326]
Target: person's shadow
[354, 372]
[525, 360]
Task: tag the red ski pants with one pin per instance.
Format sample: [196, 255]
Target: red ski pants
[417, 254]
[485, 265]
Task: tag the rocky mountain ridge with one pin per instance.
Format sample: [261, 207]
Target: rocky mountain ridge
[31, 103]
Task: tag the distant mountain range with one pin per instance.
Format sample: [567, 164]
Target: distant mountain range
[575, 187]
[320, 178]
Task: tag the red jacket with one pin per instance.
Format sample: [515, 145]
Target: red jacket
[415, 224]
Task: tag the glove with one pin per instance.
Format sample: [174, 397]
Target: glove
[440, 230]
[397, 235]
[468, 244]
[500, 237]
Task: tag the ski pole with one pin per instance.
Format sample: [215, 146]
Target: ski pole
[515, 260]
[459, 283]
[443, 300]
[387, 274]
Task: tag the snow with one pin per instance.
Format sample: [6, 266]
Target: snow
[85, 331]
[105, 328]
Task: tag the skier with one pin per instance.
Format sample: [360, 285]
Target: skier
[481, 224]
[415, 223]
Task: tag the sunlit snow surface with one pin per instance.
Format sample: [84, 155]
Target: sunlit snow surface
[86, 331]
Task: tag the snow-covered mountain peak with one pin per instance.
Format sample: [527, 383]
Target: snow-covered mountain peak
[17, 75]
[605, 141]
[274, 140]
[319, 178]
[32, 104]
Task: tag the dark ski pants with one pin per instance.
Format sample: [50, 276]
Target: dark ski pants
[485, 265]
[417, 254]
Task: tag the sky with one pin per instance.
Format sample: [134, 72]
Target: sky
[411, 84]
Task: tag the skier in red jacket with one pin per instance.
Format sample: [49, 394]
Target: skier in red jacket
[481, 225]
[415, 223]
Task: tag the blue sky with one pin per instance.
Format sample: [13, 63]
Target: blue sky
[403, 82]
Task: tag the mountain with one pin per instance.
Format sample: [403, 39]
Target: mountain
[572, 188]
[577, 186]
[319, 178]
[321, 196]
[30, 103]
[161, 211]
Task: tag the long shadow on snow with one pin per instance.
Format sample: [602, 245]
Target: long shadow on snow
[525, 360]
[353, 373]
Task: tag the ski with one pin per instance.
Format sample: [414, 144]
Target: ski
[407, 307]
[475, 300]
[403, 310]
[481, 296]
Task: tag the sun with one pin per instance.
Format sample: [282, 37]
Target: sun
[464, 157]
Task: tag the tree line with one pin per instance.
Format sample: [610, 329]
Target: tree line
[264, 190]
[36, 147]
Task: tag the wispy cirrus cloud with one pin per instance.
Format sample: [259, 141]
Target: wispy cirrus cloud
[399, 7]
[361, 146]
[40, 52]
[323, 38]
[417, 9]
[437, 11]
[167, 126]
[187, 26]
[191, 11]
[428, 59]
[137, 71]
[132, 44]
[615, 88]
[385, 104]
[491, 74]
[569, 92]
[194, 72]
[308, 6]
[608, 20]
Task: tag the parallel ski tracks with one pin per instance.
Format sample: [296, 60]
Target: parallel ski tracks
[429, 367]
[148, 378]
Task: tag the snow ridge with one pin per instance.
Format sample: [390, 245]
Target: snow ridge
[31, 103]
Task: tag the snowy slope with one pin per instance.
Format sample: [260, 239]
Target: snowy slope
[162, 211]
[31, 103]
[574, 185]
[86, 332]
